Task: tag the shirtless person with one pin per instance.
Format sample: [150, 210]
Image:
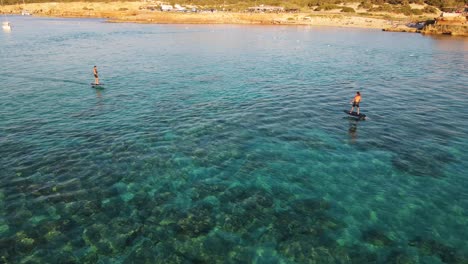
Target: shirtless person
[96, 77]
[356, 100]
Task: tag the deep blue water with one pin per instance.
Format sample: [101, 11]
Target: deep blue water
[228, 144]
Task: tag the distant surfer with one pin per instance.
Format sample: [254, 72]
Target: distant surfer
[96, 77]
[356, 100]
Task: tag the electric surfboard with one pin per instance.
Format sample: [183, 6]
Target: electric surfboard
[100, 85]
[355, 115]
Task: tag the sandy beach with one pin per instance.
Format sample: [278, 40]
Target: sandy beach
[136, 12]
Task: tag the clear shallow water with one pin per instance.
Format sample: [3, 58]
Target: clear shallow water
[229, 144]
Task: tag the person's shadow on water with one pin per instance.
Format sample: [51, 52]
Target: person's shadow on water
[352, 131]
[99, 102]
[98, 94]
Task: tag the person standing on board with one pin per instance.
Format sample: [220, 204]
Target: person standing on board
[96, 77]
[356, 100]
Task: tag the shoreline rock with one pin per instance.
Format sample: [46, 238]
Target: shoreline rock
[455, 26]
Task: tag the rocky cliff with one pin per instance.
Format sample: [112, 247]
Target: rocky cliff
[457, 26]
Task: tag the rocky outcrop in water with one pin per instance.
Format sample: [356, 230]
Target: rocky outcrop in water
[455, 30]
[455, 26]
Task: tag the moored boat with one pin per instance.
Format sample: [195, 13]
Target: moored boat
[6, 26]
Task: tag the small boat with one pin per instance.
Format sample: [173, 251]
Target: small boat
[6, 26]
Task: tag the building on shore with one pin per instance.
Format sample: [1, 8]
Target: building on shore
[166, 7]
[266, 9]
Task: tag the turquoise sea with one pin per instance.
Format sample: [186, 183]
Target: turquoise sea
[228, 144]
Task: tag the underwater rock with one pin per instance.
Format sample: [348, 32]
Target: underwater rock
[308, 225]
[425, 161]
[237, 221]
[288, 226]
[418, 166]
[210, 201]
[105, 248]
[88, 208]
[235, 194]
[4, 229]
[168, 217]
[303, 250]
[146, 252]
[52, 235]
[61, 257]
[122, 232]
[127, 197]
[220, 244]
[24, 243]
[308, 206]
[203, 190]
[7, 249]
[376, 238]
[118, 188]
[359, 254]
[92, 234]
[155, 233]
[22, 215]
[258, 201]
[192, 250]
[199, 152]
[316, 214]
[163, 197]
[197, 221]
[241, 254]
[435, 248]
[112, 206]
[71, 208]
[66, 225]
[89, 255]
[141, 199]
[248, 197]
[254, 212]
[399, 257]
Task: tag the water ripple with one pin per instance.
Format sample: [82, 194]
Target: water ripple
[230, 142]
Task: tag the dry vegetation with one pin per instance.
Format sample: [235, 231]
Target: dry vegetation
[136, 12]
[362, 15]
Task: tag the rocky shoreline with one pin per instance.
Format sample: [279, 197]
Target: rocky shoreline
[136, 12]
[438, 26]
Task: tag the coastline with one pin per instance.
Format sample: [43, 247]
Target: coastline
[131, 12]
[138, 12]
